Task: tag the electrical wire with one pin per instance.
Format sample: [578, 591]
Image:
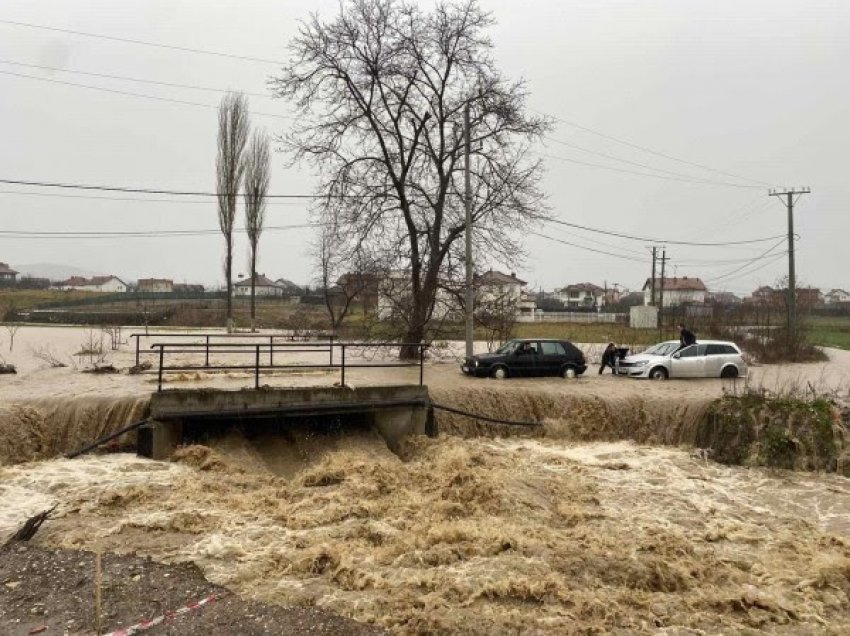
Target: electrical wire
[108, 234]
[115, 91]
[86, 197]
[80, 186]
[649, 174]
[99, 36]
[646, 239]
[136, 80]
[589, 249]
[758, 258]
[649, 150]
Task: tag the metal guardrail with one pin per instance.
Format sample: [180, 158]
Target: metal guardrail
[209, 338]
[264, 356]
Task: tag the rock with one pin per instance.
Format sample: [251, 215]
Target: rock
[13, 584]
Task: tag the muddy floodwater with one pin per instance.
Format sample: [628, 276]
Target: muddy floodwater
[477, 536]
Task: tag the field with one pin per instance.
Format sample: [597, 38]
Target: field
[832, 331]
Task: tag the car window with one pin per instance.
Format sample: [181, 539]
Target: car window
[509, 347]
[552, 349]
[693, 351]
[527, 348]
[719, 350]
[729, 349]
[662, 349]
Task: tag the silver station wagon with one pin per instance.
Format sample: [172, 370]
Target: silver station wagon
[705, 359]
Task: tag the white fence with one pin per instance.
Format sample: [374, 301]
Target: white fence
[573, 316]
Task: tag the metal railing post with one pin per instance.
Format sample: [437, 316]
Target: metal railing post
[257, 369]
[207, 350]
[421, 364]
[342, 367]
[137, 350]
[159, 372]
[271, 351]
[331, 341]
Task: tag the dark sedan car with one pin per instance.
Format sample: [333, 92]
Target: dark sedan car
[528, 357]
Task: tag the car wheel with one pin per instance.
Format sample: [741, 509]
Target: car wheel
[569, 372]
[500, 373]
[729, 372]
[658, 373]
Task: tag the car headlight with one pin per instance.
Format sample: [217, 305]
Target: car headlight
[641, 363]
[475, 363]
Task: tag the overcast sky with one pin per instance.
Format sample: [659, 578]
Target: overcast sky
[757, 89]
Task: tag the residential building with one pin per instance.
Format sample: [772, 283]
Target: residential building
[184, 288]
[723, 298]
[807, 297]
[103, 284]
[582, 296]
[494, 285]
[7, 274]
[263, 286]
[677, 291]
[289, 288]
[764, 295]
[836, 296]
[155, 285]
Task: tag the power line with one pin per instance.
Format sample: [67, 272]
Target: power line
[649, 150]
[115, 91]
[137, 80]
[683, 176]
[185, 49]
[589, 249]
[761, 256]
[80, 186]
[87, 197]
[650, 174]
[82, 234]
[646, 239]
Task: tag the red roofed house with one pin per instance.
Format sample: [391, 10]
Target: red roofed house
[263, 286]
[677, 291]
[109, 284]
[156, 285]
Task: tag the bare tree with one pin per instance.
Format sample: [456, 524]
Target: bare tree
[257, 175]
[232, 137]
[12, 329]
[381, 91]
[346, 274]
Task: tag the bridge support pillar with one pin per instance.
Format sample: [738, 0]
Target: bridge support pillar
[158, 440]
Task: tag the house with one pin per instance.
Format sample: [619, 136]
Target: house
[361, 288]
[103, 284]
[7, 274]
[498, 291]
[836, 296]
[289, 288]
[723, 298]
[156, 285]
[807, 297]
[263, 286]
[582, 295]
[764, 295]
[677, 291]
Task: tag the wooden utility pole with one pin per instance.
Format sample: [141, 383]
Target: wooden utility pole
[468, 203]
[790, 200]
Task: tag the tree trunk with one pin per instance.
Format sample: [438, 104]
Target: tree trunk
[253, 287]
[228, 273]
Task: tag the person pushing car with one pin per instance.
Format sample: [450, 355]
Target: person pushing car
[609, 358]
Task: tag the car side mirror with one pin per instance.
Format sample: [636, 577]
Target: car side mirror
[676, 356]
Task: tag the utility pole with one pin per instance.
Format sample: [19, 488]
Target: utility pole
[661, 293]
[652, 280]
[468, 202]
[790, 200]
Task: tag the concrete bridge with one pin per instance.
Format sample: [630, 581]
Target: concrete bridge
[182, 416]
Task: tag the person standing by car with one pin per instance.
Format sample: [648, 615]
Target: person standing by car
[609, 358]
[686, 337]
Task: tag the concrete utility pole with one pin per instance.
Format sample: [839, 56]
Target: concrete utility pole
[792, 274]
[468, 202]
[652, 280]
[661, 292]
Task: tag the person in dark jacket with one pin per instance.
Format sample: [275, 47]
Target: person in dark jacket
[609, 358]
[686, 338]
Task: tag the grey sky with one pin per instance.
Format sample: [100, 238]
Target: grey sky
[752, 88]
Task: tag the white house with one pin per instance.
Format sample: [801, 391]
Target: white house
[262, 287]
[7, 274]
[836, 296]
[104, 284]
[505, 290]
[677, 291]
[585, 295]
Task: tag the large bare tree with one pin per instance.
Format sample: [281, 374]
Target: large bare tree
[381, 91]
[257, 175]
[229, 165]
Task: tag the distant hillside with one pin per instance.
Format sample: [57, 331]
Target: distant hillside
[53, 271]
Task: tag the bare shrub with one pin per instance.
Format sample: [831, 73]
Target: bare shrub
[48, 355]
